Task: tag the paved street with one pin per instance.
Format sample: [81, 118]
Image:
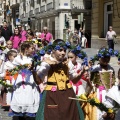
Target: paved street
[4, 114]
[90, 52]
[113, 62]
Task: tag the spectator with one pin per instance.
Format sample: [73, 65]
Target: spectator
[23, 33]
[69, 35]
[110, 36]
[6, 32]
[84, 42]
[2, 39]
[75, 38]
[80, 33]
[16, 38]
[46, 37]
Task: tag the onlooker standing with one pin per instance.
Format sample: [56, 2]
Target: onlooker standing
[16, 38]
[110, 37]
[80, 33]
[2, 39]
[46, 37]
[75, 38]
[23, 33]
[6, 32]
[84, 42]
[69, 35]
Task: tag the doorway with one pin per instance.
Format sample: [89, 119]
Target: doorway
[108, 15]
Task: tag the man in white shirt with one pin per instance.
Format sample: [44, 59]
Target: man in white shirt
[110, 37]
[84, 41]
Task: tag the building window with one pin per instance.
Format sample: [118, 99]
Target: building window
[109, 7]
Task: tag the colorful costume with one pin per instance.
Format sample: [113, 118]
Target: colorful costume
[55, 104]
[102, 82]
[78, 87]
[25, 98]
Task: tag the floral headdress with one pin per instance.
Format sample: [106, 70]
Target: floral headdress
[105, 52]
[50, 47]
[80, 53]
[57, 46]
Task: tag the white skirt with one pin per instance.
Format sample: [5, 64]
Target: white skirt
[26, 97]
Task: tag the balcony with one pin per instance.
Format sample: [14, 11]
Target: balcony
[49, 6]
[37, 11]
[81, 5]
[42, 8]
[14, 3]
[77, 4]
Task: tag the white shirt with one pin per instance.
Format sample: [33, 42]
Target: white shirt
[84, 41]
[110, 35]
[44, 68]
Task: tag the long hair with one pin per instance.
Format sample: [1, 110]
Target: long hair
[20, 36]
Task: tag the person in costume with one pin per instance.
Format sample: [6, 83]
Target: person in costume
[113, 101]
[25, 97]
[55, 103]
[80, 86]
[3, 58]
[9, 79]
[102, 77]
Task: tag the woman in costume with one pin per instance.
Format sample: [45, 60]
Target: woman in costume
[25, 98]
[81, 85]
[55, 103]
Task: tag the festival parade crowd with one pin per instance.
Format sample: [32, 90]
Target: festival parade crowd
[41, 79]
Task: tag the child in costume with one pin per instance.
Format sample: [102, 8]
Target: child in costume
[9, 79]
[9, 47]
[113, 101]
[102, 77]
[3, 58]
[55, 103]
[80, 86]
[25, 97]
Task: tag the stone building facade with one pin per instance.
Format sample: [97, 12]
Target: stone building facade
[57, 15]
[105, 13]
